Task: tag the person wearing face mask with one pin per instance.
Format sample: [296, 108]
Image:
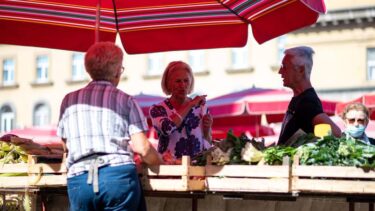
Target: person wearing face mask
[356, 119]
[183, 123]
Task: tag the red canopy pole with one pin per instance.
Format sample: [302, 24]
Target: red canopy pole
[257, 128]
[97, 22]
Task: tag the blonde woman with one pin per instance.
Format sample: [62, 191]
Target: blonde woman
[183, 123]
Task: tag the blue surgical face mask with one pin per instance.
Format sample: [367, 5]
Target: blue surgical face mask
[354, 131]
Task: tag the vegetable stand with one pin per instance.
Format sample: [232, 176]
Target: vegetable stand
[234, 188]
[245, 176]
[248, 178]
[182, 177]
[332, 179]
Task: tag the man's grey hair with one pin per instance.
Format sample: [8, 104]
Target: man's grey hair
[302, 56]
[172, 66]
[103, 60]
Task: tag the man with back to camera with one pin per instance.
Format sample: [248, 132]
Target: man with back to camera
[97, 122]
[305, 109]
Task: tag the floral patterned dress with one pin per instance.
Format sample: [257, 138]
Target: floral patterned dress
[187, 139]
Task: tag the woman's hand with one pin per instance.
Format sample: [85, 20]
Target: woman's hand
[207, 121]
[198, 100]
[207, 124]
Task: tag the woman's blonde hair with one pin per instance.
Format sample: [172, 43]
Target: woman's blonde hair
[173, 66]
[357, 107]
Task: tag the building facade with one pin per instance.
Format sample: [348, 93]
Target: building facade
[34, 80]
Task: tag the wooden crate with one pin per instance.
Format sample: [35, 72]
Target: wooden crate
[331, 179]
[24, 199]
[182, 177]
[248, 178]
[34, 174]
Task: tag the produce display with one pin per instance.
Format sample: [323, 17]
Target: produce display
[327, 151]
[240, 150]
[31, 147]
[240, 163]
[10, 153]
[331, 151]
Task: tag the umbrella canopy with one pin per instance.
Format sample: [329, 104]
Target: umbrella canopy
[272, 18]
[220, 132]
[367, 99]
[254, 102]
[45, 135]
[144, 26]
[151, 26]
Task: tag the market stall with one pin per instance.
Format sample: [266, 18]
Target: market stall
[206, 184]
[276, 176]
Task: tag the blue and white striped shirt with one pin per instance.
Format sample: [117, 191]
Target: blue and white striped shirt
[99, 119]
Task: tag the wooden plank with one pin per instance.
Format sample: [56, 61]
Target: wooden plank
[331, 172]
[49, 180]
[280, 185]
[197, 171]
[14, 168]
[182, 177]
[14, 182]
[173, 185]
[47, 168]
[174, 170]
[260, 171]
[334, 186]
[165, 170]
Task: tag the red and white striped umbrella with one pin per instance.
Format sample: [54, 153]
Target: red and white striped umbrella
[43, 135]
[147, 26]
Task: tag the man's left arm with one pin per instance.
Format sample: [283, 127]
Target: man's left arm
[323, 118]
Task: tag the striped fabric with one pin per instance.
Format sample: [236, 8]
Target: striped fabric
[150, 26]
[272, 18]
[145, 26]
[253, 9]
[59, 13]
[175, 16]
[130, 19]
[99, 118]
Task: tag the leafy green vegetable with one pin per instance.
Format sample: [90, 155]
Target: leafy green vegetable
[10, 153]
[274, 155]
[338, 152]
[238, 144]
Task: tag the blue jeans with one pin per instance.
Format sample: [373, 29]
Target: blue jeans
[119, 189]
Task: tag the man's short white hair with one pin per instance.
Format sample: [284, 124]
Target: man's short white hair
[302, 56]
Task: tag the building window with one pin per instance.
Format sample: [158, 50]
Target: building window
[41, 115]
[42, 69]
[7, 117]
[8, 72]
[78, 68]
[155, 64]
[240, 58]
[197, 60]
[371, 64]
